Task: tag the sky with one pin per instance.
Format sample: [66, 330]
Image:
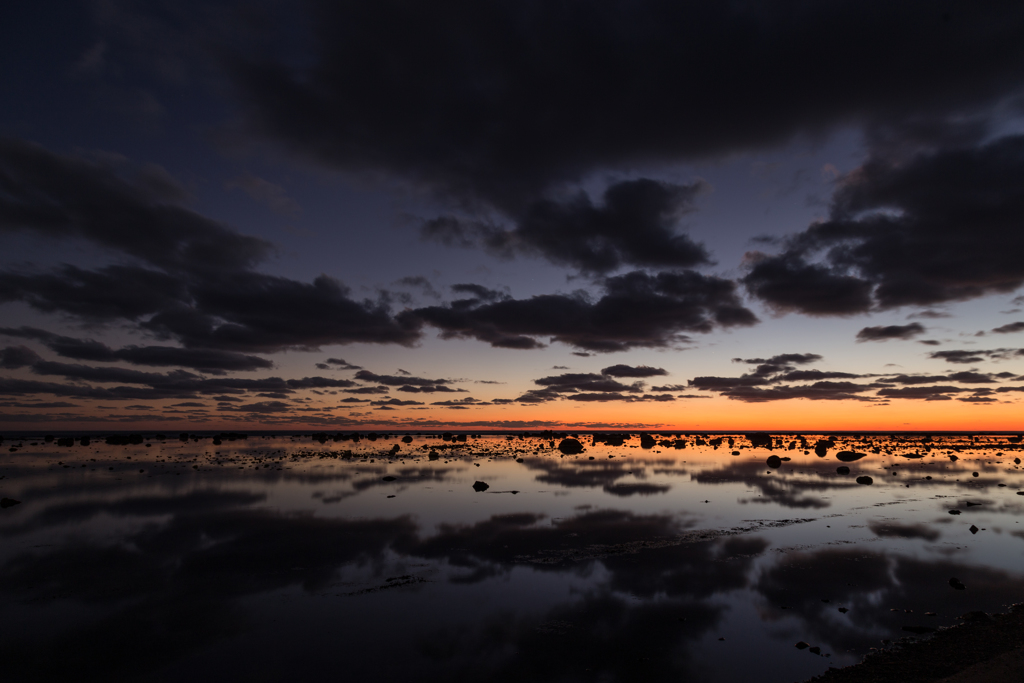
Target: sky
[514, 214]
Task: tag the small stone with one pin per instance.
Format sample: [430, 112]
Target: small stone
[802, 645]
[865, 480]
[480, 486]
[843, 470]
[974, 474]
[955, 583]
[973, 529]
[816, 650]
[774, 461]
[388, 478]
[8, 502]
[843, 610]
[954, 512]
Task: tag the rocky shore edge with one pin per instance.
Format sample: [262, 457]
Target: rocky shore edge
[982, 648]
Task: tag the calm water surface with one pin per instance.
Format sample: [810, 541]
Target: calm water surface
[283, 558]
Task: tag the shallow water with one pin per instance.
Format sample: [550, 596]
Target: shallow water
[283, 558]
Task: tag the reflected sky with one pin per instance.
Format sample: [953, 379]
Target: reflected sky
[277, 558]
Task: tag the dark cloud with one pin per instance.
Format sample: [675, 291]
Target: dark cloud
[633, 371]
[396, 402]
[435, 389]
[974, 355]
[341, 364]
[965, 377]
[212, 361]
[819, 391]
[634, 225]
[789, 283]
[927, 393]
[636, 310]
[62, 196]
[926, 228]
[137, 384]
[886, 332]
[400, 380]
[1010, 327]
[763, 384]
[14, 357]
[196, 282]
[503, 101]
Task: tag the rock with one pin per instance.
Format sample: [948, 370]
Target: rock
[850, 456]
[572, 446]
[388, 478]
[432, 455]
[479, 486]
[842, 469]
[802, 645]
[407, 439]
[816, 650]
[954, 512]
[920, 630]
[821, 448]
[774, 461]
[843, 610]
[735, 452]
[8, 502]
[1016, 461]
[955, 583]
[760, 440]
[646, 441]
[865, 480]
[953, 458]
[973, 529]
[1020, 493]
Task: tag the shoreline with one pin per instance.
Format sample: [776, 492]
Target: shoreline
[982, 648]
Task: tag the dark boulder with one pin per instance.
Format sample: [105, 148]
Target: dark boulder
[865, 480]
[646, 441]
[8, 502]
[956, 584]
[479, 486]
[774, 461]
[850, 456]
[570, 446]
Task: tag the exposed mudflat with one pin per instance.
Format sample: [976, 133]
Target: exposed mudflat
[658, 557]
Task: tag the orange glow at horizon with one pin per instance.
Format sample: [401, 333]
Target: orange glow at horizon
[711, 414]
